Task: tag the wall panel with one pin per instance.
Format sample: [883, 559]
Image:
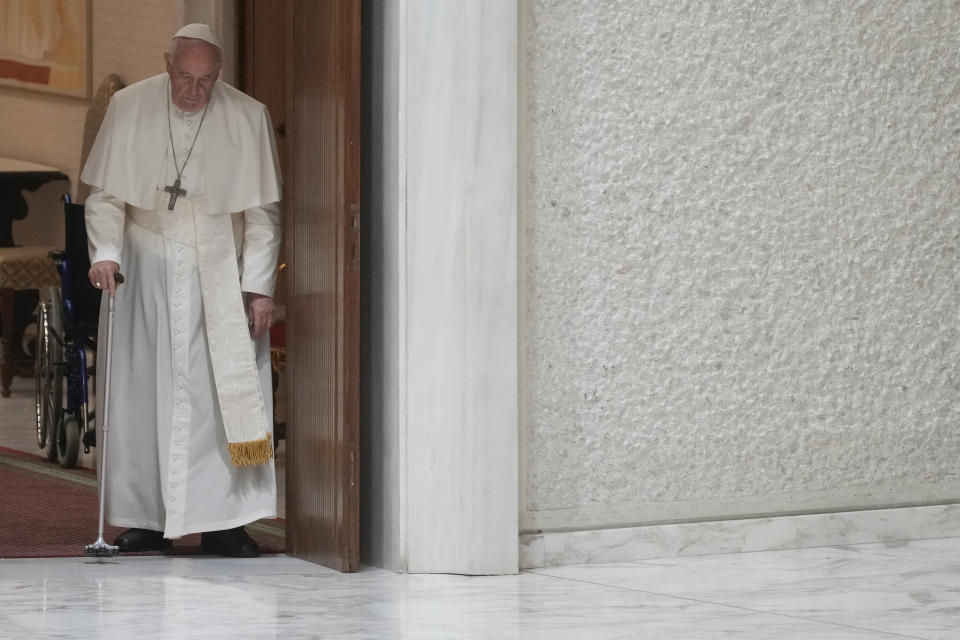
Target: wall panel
[741, 230]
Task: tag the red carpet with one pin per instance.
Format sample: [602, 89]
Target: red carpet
[50, 512]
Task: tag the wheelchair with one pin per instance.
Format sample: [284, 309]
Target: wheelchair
[67, 319]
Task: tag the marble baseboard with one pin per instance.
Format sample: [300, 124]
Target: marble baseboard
[552, 549]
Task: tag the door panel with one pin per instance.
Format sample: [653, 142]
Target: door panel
[263, 52]
[323, 280]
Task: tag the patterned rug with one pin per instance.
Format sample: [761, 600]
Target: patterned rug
[50, 512]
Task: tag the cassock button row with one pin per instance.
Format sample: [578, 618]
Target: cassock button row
[173, 498]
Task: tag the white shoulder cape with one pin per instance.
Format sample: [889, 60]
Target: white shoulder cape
[240, 155]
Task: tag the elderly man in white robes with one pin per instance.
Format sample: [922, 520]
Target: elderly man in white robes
[185, 201]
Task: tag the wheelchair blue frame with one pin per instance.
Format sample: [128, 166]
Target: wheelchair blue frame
[74, 346]
[79, 307]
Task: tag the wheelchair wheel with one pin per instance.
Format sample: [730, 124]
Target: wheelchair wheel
[68, 441]
[48, 371]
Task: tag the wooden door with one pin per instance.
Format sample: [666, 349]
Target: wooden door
[323, 280]
[319, 79]
[262, 62]
[263, 50]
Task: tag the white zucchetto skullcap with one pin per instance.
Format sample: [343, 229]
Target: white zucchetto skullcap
[199, 31]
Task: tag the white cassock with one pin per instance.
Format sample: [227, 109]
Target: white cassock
[186, 381]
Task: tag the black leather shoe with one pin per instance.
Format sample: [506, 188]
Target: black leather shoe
[233, 543]
[133, 540]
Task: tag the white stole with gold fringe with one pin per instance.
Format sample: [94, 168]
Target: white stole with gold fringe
[231, 348]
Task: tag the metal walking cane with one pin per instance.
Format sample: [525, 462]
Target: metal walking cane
[100, 548]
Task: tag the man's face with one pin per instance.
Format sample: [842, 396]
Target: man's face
[193, 70]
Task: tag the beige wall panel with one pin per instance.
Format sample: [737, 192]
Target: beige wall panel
[128, 38]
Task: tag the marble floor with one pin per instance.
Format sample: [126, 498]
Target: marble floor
[902, 590]
[907, 590]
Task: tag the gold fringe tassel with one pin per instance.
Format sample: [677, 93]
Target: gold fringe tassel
[246, 454]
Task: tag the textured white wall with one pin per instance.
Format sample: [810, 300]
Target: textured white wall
[741, 230]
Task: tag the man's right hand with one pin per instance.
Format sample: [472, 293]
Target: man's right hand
[103, 275]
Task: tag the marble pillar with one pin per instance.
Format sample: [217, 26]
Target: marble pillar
[440, 287]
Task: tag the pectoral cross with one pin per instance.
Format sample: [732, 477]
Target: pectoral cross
[175, 192]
